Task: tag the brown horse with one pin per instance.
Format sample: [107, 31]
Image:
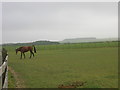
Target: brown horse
[26, 49]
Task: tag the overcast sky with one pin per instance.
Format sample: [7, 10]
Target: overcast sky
[0, 23]
[31, 21]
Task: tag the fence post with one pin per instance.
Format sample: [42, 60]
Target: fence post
[0, 70]
[3, 69]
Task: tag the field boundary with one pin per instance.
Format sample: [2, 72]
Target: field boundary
[4, 73]
[19, 82]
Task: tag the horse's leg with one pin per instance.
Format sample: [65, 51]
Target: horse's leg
[24, 55]
[21, 56]
[30, 54]
[33, 55]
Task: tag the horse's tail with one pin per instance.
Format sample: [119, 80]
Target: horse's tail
[34, 49]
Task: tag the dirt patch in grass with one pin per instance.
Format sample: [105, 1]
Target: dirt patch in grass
[75, 84]
[19, 83]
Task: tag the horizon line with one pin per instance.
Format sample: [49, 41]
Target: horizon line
[55, 40]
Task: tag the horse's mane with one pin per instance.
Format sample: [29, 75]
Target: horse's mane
[19, 48]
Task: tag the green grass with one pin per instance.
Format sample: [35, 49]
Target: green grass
[52, 65]
[11, 80]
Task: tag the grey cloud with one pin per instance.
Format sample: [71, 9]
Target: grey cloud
[57, 21]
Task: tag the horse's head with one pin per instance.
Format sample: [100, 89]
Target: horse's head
[16, 50]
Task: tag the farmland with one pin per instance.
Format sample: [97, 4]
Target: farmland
[95, 63]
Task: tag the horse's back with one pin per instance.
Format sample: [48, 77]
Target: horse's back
[30, 47]
[26, 48]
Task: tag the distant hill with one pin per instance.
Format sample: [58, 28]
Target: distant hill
[83, 40]
[34, 43]
[72, 40]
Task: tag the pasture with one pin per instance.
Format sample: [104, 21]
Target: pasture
[95, 63]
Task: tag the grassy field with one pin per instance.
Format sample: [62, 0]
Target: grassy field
[95, 63]
[11, 81]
